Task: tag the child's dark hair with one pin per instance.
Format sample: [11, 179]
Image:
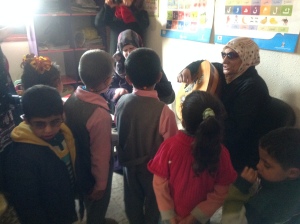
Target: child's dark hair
[39, 70]
[283, 144]
[203, 115]
[41, 101]
[143, 67]
[95, 66]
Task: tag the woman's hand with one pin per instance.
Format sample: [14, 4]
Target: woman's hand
[249, 174]
[110, 3]
[127, 2]
[119, 92]
[185, 76]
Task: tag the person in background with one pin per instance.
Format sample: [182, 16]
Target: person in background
[88, 117]
[7, 124]
[120, 15]
[128, 41]
[270, 194]
[245, 96]
[40, 70]
[39, 174]
[143, 123]
[192, 170]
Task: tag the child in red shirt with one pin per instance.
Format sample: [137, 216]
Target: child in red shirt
[192, 170]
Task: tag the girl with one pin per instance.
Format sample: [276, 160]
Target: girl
[192, 170]
[40, 70]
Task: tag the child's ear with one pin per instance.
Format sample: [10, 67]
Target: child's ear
[128, 80]
[159, 78]
[293, 173]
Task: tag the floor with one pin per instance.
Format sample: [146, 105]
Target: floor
[116, 207]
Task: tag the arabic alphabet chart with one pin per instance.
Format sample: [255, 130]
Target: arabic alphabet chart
[189, 20]
[273, 24]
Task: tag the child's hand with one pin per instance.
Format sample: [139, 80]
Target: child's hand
[185, 76]
[188, 220]
[119, 92]
[249, 174]
[96, 195]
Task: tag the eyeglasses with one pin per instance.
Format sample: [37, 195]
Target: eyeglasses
[230, 55]
[42, 124]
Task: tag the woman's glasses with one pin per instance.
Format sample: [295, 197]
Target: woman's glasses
[230, 55]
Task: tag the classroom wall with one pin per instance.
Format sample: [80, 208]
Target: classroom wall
[281, 71]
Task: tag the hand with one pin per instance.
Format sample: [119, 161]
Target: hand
[119, 92]
[96, 195]
[127, 2]
[175, 220]
[110, 3]
[188, 220]
[185, 76]
[249, 174]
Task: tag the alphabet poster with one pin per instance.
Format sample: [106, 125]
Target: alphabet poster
[189, 20]
[272, 24]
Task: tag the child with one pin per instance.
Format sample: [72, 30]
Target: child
[39, 165]
[40, 70]
[277, 199]
[88, 117]
[192, 170]
[129, 40]
[143, 122]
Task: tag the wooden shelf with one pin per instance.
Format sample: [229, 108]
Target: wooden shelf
[66, 80]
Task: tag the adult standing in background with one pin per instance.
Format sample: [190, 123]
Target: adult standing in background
[120, 15]
[245, 96]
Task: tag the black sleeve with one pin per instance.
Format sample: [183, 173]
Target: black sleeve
[194, 67]
[164, 90]
[104, 17]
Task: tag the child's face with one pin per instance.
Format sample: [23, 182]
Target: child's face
[45, 128]
[269, 169]
[127, 50]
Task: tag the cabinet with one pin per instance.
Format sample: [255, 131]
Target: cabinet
[63, 30]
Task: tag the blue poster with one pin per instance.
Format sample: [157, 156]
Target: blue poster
[272, 24]
[189, 20]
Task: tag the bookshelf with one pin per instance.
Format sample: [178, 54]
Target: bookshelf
[63, 30]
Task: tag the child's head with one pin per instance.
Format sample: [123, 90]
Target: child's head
[279, 153]
[40, 70]
[96, 70]
[143, 68]
[202, 117]
[43, 110]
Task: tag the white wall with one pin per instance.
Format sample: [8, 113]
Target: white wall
[15, 51]
[281, 71]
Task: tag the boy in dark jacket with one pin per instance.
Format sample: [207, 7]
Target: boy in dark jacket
[39, 166]
[274, 197]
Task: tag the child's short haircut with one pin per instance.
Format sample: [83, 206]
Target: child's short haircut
[143, 67]
[32, 75]
[283, 144]
[95, 66]
[41, 101]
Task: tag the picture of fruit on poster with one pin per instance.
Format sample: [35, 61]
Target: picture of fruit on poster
[272, 24]
[189, 20]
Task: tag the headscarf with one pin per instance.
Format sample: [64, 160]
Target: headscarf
[247, 50]
[125, 38]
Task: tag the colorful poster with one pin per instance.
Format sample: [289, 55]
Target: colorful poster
[272, 24]
[189, 20]
[152, 7]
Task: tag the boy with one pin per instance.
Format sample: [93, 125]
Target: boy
[143, 122]
[39, 166]
[277, 200]
[88, 117]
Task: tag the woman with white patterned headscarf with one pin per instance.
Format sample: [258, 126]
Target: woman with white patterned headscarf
[245, 96]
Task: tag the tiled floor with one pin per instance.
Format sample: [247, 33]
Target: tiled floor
[116, 206]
